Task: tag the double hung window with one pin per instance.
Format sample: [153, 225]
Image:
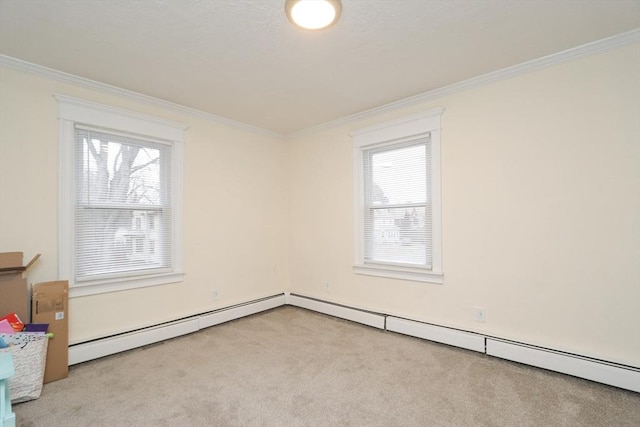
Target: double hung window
[122, 185]
[398, 206]
[120, 198]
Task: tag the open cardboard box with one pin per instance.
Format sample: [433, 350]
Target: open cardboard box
[49, 305]
[14, 291]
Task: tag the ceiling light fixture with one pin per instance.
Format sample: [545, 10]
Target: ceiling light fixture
[313, 14]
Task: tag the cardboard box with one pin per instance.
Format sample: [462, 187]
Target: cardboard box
[14, 292]
[50, 304]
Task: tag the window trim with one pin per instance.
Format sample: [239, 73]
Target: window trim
[77, 111]
[412, 127]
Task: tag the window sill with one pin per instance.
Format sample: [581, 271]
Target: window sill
[83, 289]
[402, 273]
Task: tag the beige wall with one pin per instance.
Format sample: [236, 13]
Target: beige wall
[235, 216]
[541, 211]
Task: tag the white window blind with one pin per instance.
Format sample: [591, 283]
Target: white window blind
[398, 208]
[397, 204]
[123, 202]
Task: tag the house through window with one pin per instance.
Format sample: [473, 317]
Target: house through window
[397, 226]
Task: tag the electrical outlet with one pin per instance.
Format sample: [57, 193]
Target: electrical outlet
[480, 314]
[327, 286]
[215, 295]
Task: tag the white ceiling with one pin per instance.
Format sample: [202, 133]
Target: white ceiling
[243, 60]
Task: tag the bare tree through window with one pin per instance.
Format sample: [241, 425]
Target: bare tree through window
[121, 189]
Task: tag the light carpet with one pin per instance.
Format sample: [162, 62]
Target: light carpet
[293, 367]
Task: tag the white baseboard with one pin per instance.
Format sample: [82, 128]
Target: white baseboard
[603, 372]
[95, 349]
[595, 370]
[104, 347]
[440, 334]
[359, 316]
[226, 315]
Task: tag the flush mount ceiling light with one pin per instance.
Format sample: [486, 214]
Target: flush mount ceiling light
[313, 14]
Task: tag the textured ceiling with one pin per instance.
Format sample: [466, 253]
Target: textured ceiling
[242, 60]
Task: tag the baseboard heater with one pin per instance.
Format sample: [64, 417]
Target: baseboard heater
[621, 376]
[613, 374]
[368, 318]
[617, 375]
[239, 311]
[450, 336]
[83, 352]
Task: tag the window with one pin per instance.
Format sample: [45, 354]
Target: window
[398, 208]
[120, 172]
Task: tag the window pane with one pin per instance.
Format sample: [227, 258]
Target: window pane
[399, 235]
[115, 172]
[109, 241]
[122, 206]
[399, 175]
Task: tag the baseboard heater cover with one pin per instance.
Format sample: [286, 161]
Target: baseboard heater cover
[232, 313]
[105, 347]
[603, 372]
[95, 349]
[353, 314]
[440, 334]
[620, 376]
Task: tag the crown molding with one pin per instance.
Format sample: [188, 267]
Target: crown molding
[602, 45]
[609, 43]
[20, 65]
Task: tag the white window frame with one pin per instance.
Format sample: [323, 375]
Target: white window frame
[74, 111]
[414, 127]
